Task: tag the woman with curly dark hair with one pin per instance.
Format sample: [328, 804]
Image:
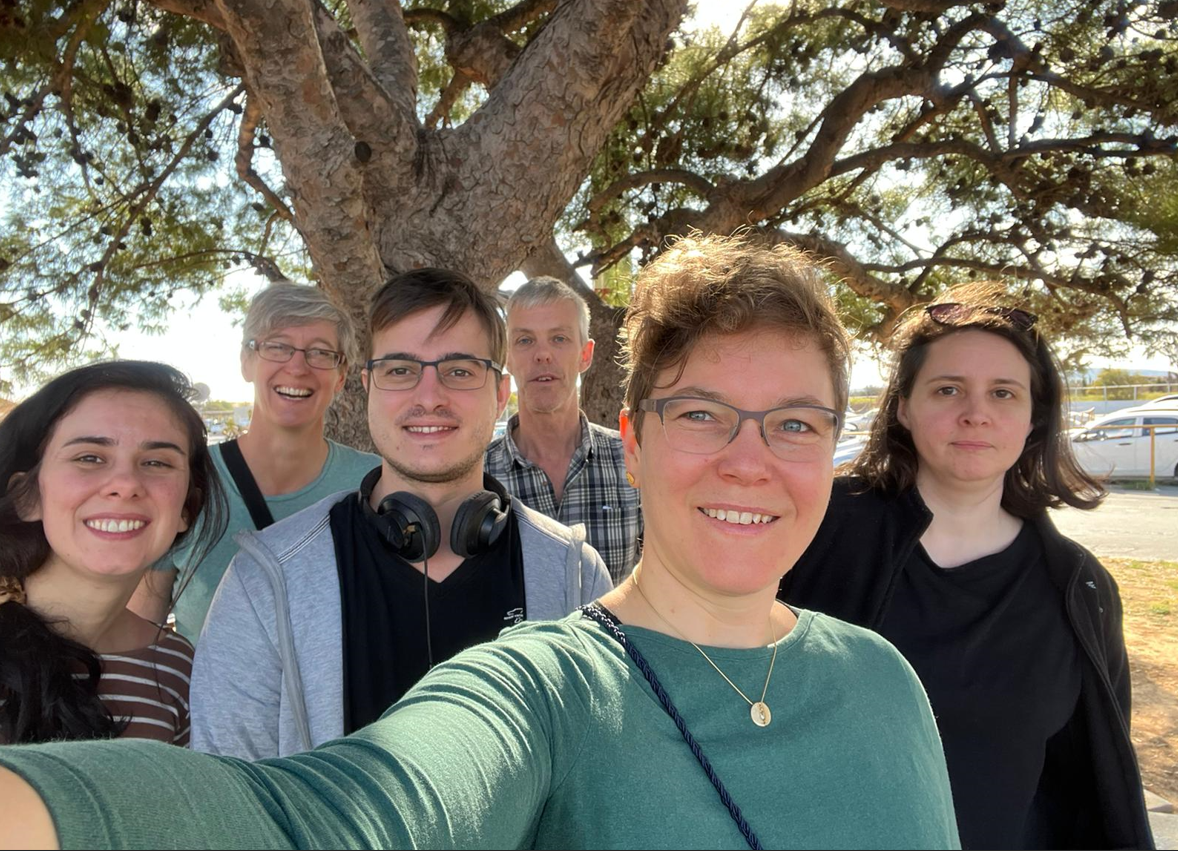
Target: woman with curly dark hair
[102, 471]
[940, 541]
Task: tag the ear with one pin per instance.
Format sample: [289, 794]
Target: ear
[586, 357]
[502, 395]
[28, 510]
[364, 379]
[631, 451]
[247, 365]
[343, 376]
[185, 519]
[902, 413]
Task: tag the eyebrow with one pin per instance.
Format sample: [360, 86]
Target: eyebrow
[565, 328]
[963, 379]
[783, 402]
[150, 445]
[316, 343]
[447, 356]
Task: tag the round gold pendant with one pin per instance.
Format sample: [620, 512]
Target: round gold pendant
[760, 714]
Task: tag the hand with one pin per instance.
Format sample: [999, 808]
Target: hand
[24, 816]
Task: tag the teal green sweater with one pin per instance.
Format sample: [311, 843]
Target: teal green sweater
[551, 738]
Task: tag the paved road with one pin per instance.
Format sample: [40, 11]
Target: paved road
[1130, 524]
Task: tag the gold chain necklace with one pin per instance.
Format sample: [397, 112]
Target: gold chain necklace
[759, 710]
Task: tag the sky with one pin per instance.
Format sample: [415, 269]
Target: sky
[204, 342]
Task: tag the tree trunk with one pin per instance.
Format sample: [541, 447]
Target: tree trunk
[375, 192]
[601, 386]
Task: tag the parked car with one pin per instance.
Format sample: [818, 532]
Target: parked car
[1117, 445]
[1170, 401]
[848, 450]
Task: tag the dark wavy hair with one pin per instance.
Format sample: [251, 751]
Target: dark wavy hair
[41, 699]
[1046, 473]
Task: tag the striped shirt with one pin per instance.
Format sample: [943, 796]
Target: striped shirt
[148, 688]
[595, 491]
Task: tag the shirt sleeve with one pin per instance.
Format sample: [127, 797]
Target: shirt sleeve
[237, 675]
[466, 760]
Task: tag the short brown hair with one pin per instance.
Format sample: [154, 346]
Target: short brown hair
[1046, 474]
[706, 285]
[411, 292]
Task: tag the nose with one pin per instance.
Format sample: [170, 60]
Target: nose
[430, 392]
[976, 411]
[541, 353]
[124, 481]
[298, 364]
[747, 457]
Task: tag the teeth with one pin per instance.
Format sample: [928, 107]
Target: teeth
[293, 391]
[738, 518]
[115, 525]
[429, 429]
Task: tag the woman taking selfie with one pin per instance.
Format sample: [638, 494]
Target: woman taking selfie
[687, 708]
[103, 471]
[941, 542]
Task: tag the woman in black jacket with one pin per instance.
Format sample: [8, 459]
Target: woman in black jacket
[940, 541]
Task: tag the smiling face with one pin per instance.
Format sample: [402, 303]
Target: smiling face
[431, 433]
[112, 484]
[699, 509]
[545, 354]
[970, 408]
[292, 394]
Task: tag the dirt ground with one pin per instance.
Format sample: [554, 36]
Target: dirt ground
[1149, 591]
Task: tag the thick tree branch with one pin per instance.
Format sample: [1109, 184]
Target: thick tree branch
[541, 129]
[303, 90]
[440, 114]
[856, 275]
[386, 44]
[207, 11]
[244, 159]
[692, 181]
[548, 259]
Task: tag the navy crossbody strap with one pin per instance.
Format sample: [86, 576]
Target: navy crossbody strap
[612, 626]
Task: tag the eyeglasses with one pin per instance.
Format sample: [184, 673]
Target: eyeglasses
[704, 426]
[454, 373]
[957, 315]
[281, 353]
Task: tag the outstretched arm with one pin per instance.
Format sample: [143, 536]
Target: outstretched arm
[466, 759]
[25, 818]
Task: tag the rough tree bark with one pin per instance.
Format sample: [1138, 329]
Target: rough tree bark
[374, 191]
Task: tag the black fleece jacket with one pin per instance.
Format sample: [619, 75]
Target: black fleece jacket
[850, 571]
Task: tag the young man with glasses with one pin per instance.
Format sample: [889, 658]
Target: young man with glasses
[551, 457]
[295, 350]
[325, 619]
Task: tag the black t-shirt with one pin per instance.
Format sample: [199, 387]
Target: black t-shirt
[382, 598]
[991, 642]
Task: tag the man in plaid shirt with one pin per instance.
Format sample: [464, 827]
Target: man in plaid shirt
[552, 458]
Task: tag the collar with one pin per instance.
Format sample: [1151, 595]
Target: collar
[517, 457]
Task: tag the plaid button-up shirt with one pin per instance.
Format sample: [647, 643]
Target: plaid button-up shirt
[595, 491]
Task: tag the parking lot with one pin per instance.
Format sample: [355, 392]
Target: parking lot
[1130, 524]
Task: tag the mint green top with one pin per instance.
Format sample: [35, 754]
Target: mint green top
[343, 470]
[551, 738]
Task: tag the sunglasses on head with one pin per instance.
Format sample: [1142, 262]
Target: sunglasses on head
[954, 314]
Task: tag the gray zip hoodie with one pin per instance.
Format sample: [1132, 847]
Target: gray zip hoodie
[268, 675]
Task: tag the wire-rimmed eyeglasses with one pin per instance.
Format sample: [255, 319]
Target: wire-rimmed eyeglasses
[705, 426]
[276, 352]
[456, 373]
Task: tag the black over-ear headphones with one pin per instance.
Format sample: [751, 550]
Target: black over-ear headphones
[410, 525]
